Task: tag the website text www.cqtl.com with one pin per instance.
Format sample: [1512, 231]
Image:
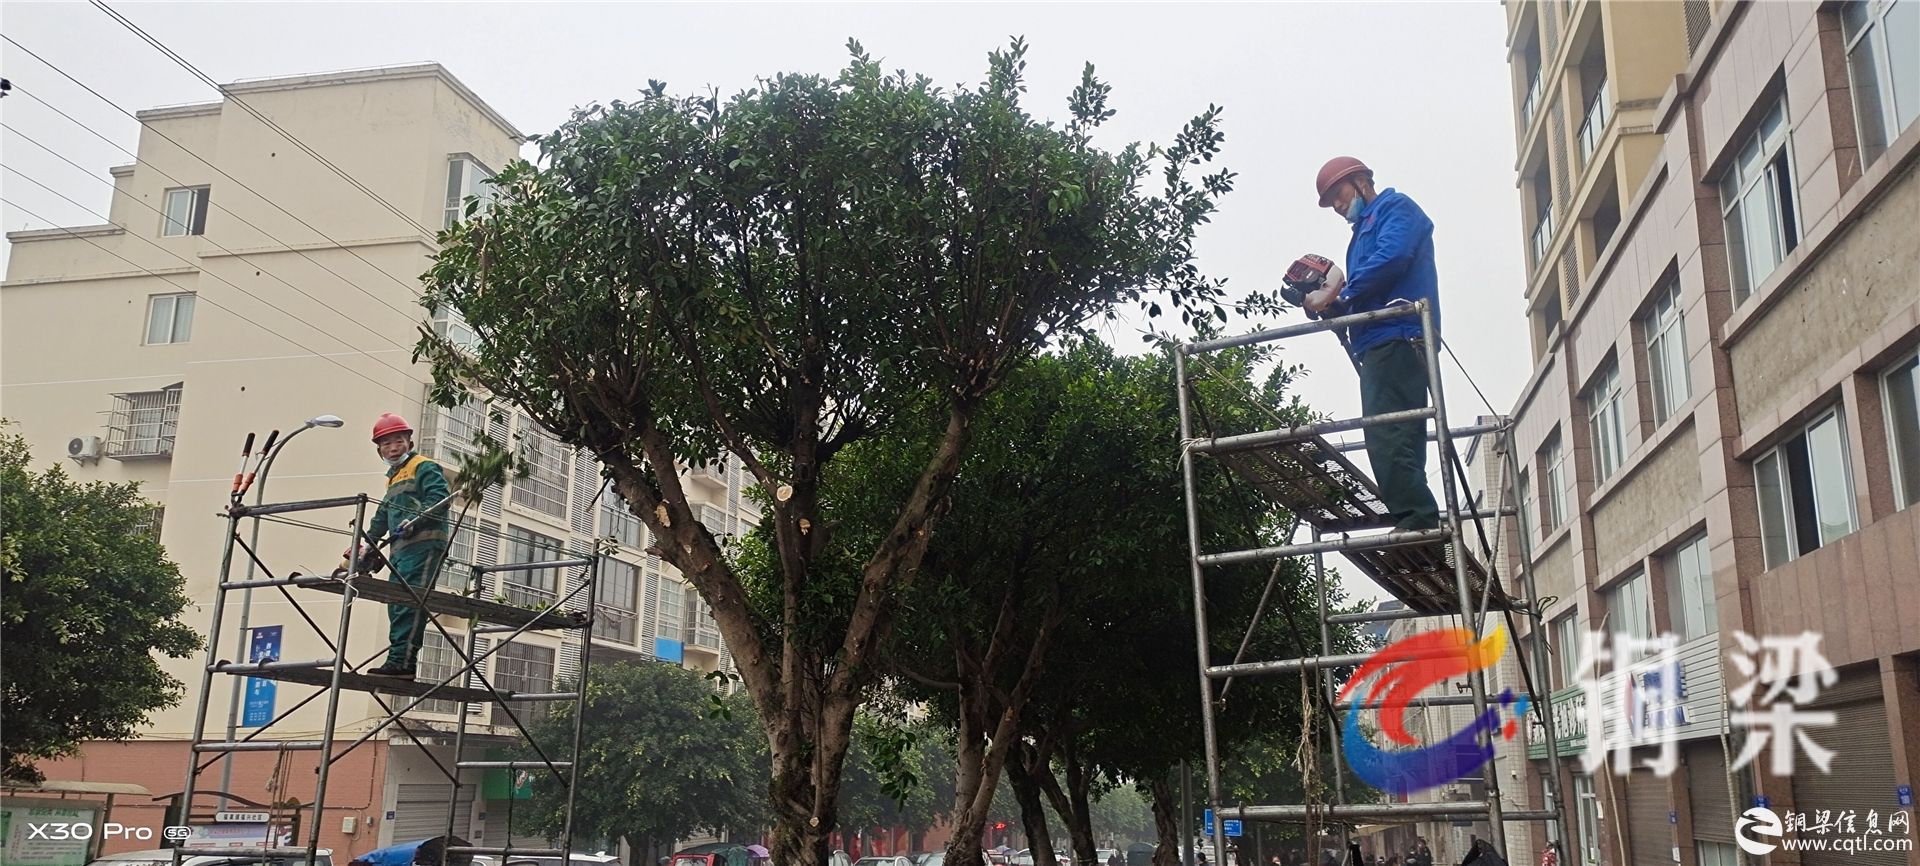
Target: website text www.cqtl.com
[1848, 844]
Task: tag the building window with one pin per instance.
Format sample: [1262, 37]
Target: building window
[1665, 330]
[454, 431]
[544, 488]
[438, 661]
[1805, 490]
[1566, 650]
[1691, 607]
[1902, 384]
[617, 521]
[462, 553]
[169, 319]
[1717, 854]
[700, 630]
[672, 620]
[1603, 422]
[1629, 613]
[151, 521]
[1883, 66]
[1553, 494]
[1526, 502]
[527, 669]
[537, 586]
[142, 423]
[186, 212]
[617, 601]
[466, 179]
[452, 327]
[1587, 808]
[1756, 199]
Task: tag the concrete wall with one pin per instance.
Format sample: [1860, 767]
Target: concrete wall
[1658, 493]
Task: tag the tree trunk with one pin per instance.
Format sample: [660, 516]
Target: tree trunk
[1166, 824]
[1033, 816]
[1079, 817]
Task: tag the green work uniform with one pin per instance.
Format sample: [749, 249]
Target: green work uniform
[412, 487]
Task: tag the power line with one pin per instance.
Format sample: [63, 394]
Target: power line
[262, 269]
[223, 209]
[217, 305]
[411, 288]
[222, 90]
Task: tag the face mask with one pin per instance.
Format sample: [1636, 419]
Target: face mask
[396, 461]
[1355, 208]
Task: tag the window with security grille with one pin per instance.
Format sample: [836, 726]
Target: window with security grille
[1883, 69]
[534, 586]
[1804, 487]
[1604, 421]
[437, 661]
[149, 524]
[1665, 330]
[544, 489]
[452, 431]
[618, 522]
[524, 668]
[1757, 203]
[170, 318]
[1902, 392]
[142, 423]
[617, 602]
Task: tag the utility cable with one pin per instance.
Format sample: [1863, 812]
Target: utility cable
[275, 307]
[290, 137]
[208, 238]
[217, 305]
[410, 287]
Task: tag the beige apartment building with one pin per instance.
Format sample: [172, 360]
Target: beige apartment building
[1719, 436]
[237, 284]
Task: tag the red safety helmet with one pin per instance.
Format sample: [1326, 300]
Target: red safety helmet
[1336, 170]
[389, 424]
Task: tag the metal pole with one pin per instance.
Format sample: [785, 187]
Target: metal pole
[460, 726]
[206, 680]
[246, 608]
[1543, 704]
[1326, 688]
[333, 689]
[1496, 825]
[1186, 815]
[580, 705]
[1209, 733]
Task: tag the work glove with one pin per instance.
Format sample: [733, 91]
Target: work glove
[400, 532]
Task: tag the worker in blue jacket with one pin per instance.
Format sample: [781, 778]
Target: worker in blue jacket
[1389, 262]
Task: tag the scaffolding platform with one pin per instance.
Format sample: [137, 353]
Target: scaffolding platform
[322, 677]
[1316, 482]
[372, 588]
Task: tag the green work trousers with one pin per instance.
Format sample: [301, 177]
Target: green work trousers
[1393, 378]
[416, 565]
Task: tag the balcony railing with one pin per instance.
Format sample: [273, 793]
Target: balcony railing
[1542, 237]
[1530, 104]
[1599, 113]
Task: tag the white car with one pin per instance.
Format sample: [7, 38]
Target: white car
[883, 861]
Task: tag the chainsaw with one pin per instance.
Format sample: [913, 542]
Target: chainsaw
[1308, 274]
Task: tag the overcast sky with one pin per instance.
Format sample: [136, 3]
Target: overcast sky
[1418, 90]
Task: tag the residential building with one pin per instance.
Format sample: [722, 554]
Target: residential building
[1719, 434]
[237, 284]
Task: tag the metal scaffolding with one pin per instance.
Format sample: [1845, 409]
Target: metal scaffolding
[1431, 571]
[468, 683]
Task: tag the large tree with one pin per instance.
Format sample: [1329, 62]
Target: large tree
[87, 596]
[777, 276]
[663, 757]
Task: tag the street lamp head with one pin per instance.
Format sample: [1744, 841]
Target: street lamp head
[325, 421]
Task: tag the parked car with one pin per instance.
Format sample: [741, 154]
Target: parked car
[839, 858]
[889, 860]
[713, 854]
[164, 857]
[575, 859]
[1102, 855]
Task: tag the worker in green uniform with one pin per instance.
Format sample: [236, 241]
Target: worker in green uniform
[412, 516]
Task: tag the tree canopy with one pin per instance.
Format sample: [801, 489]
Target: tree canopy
[89, 596]
[779, 275]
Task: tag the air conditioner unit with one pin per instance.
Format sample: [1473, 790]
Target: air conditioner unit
[84, 449]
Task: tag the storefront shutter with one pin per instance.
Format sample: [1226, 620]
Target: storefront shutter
[1712, 804]
[420, 811]
[1649, 835]
[1860, 777]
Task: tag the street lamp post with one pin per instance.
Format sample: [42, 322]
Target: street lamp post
[246, 596]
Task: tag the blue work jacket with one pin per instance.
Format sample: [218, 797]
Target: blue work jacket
[1389, 261]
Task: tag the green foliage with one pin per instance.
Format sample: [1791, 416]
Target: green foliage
[656, 762]
[88, 598]
[898, 773]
